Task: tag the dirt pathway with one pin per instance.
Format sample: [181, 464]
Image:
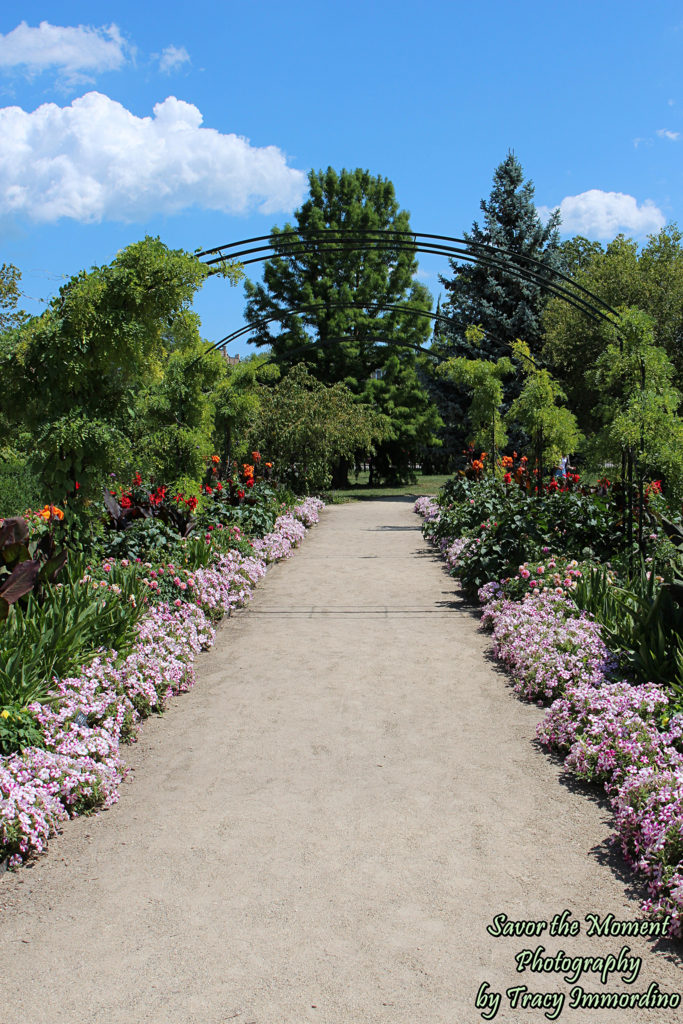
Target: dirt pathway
[324, 827]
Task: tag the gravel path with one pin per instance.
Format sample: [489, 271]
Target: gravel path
[324, 827]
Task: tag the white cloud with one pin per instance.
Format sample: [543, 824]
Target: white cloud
[172, 58]
[602, 215]
[664, 133]
[71, 51]
[94, 160]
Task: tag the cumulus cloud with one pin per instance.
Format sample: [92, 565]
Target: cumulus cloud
[172, 58]
[95, 160]
[664, 133]
[73, 51]
[602, 215]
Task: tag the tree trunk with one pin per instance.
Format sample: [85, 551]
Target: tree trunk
[340, 474]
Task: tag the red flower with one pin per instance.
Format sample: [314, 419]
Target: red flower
[209, 490]
[191, 503]
[78, 486]
[219, 487]
[507, 478]
[137, 480]
[249, 482]
[240, 494]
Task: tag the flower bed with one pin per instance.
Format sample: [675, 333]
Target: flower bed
[627, 738]
[80, 767]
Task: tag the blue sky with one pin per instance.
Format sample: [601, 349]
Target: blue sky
[129, 119]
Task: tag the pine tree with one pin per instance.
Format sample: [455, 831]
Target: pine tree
[503, 304]
[350, 344]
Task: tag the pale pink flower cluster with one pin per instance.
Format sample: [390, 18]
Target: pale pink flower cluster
[309, 511]
[427, 508]
[286, 535]
[81, 767]
[628, 738]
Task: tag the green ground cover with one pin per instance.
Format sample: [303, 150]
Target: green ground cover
[359, 490]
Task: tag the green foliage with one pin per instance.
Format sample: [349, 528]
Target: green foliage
[483, 378]
[254, 513]
[508, 527]
[10, 317]
[638, 403]
[73, 375]
[178, 411]
[237, 400]
[552, 427]
[350, 345]
[150, 540]
[20, 488]
[504, 305]
[651, 280]
[411, 419]
[65, 632]
[18, 729]
[305, 426]
[642, 623]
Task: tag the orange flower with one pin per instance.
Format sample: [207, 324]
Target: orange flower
[256, 456]
[507, 462]
[248, 470]
[51, 512]
[269, 465]
[215, 458]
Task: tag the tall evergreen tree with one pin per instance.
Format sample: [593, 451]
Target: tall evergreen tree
[350, 345]
[503, 304]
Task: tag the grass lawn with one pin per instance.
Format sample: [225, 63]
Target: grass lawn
[360, 491]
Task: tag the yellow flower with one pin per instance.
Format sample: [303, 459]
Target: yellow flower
[4, 714]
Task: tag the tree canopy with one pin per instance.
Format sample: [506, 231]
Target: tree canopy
[651, 280]
[306, 425]
[77, 374]
[349, 345]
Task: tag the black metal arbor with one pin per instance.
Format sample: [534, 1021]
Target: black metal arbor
[290, 244]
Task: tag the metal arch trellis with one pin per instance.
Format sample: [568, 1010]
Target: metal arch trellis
[302, 310]
[331, 240]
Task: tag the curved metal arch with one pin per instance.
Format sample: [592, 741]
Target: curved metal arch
[577, 301]
[303, 309]
[397, 241]
[322, 342]
[313, 345]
